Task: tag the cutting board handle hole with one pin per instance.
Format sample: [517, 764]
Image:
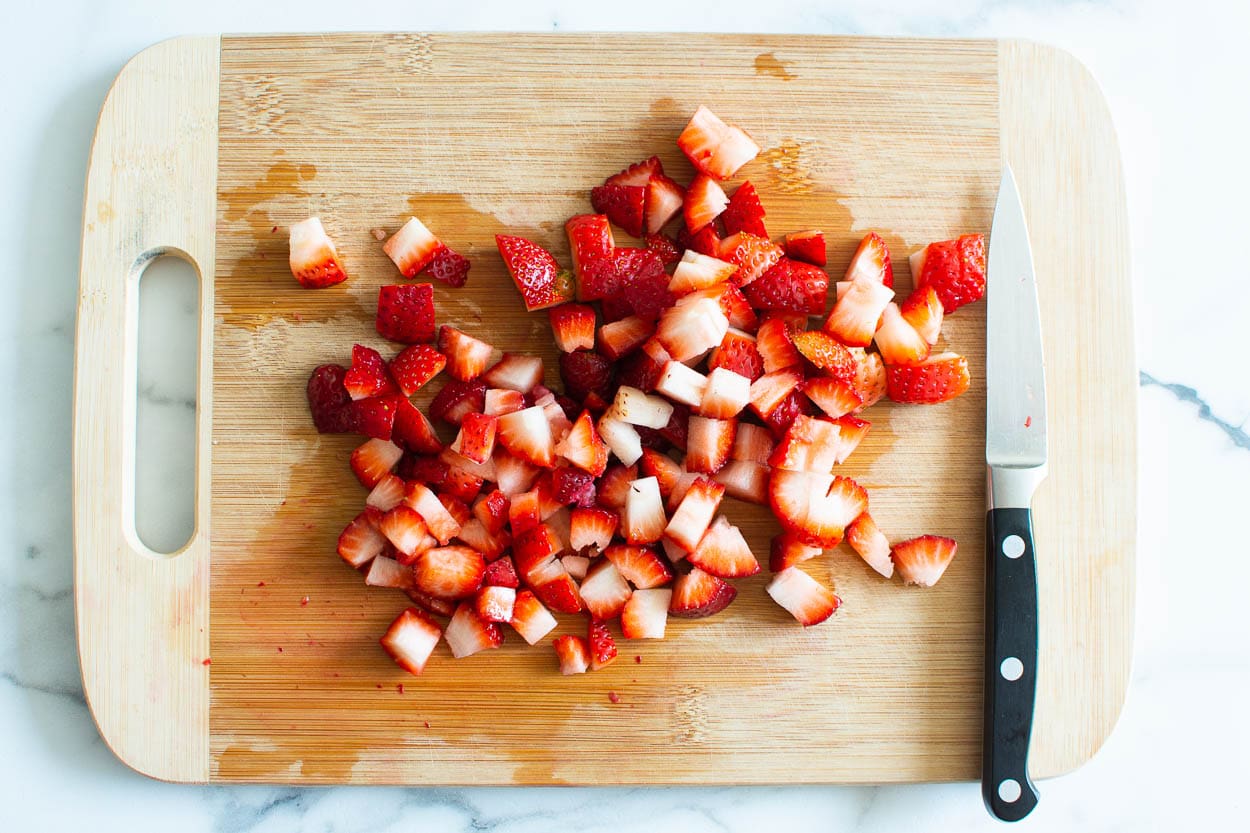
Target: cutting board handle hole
[166, 383]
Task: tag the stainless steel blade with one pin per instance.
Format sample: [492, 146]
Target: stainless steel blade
[1015, 372]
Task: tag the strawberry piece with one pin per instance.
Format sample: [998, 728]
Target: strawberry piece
[591, 527]
[476, 439]
[492, 511]
[752, 443]
[474, 534]
[704, 202]
[871, 544]
[614, 486]
[774, 343]
[871, 262]
[660, 466]
[431, 604]
[853, 319]
[590, 248]
[814, 506]
[462, 485]
[602, 645]
[573, 486]
[641, 566]
[527, 434]
[534, 548]
[411, 639]
[573, 654]
[442, 524]
[897, 341]
[723, 552]
[406, 531]
[682, 384]
[457, 461]
[745, 212]
[922, 561]
[387, 494]
[705, 241]
[694, 514]
[680, 486]
[678, 428]
[625, 336]
[664, 247]
[869, 380]
[406, 312]
[501, 573]
[807, 600]
[449, 572]
[807, 246]
[665, 199]
[524, 512]
[376, 416]
[604, 590]
[314, 261]
[732, 302]
[513, 475]
[639, 173]
[498, 402]
[954, 268]
[646, 613]
[787, 411]
[787, 550]
[583, 447]
[753, 256]
[923, 310]
[556, 589]
[623, 205]
[641, 283]
[714, 147]
[457, 399]
[697, 271]
[367, 376]
[536, 274]
[412, 248]
[374, 460]
[737, 352]
[494, 604]
[937, 379]
[573, 327]
[450, 267]
[850, 431]
[410, 429]
[467, 357]
[515, 372]
[692, 327]
[529, 618]
[584, 372]
[467, 633]
[361, 541]
[790, 285]
[727, 393]
[642, 520]
[329, 402]
[415, 366]
[387, 572]
[637, 408]
[831, 396]
[826, 353]
[709, 443]
[745, 481]
[427, 469]
[807, 445]
[698, 594]
[770, 390]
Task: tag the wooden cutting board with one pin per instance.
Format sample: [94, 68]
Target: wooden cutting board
[209, 147]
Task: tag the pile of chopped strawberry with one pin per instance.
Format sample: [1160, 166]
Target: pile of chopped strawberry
[692, 373]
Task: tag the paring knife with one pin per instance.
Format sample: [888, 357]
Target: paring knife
[1015, 456]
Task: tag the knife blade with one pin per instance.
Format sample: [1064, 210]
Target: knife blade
[1015, 456]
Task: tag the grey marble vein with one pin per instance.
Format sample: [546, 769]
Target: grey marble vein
[65, 692]
[1189, 395]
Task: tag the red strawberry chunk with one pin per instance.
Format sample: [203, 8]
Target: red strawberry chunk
[584, 372]
[425, 469]
[871, 544]
[614, 486]
[697, 271]
[814, 506]
[590, 248]
[851, 430]
[714, 147]
[377, 415]
[922, 561]
[602, 645]
[513, 475]
[771, 389]
[604, 590]
[527, 434]
[449, 572]
[664, 202]
[406, 312]
[620, 338]
[387, 494]
[367, 375]
[623, 205]
[411, 639]
[475, 535]
[452, 268]
[709, 443]
[705, 241]
[752, 255]
[775, 345]
[727, 393]
[723, 552]
[853, 319]
[790, 285]
[639, 173]
[572, 485]
[492, 510]
[827, 354]
[786, 550]
[501, 573]
[678, 428]
[923, 310]
[536, 274]
[646, 613]
[692, 327]
[695, 513]
[515, 372]
[591, 527]
[467, 633]
[897, 341]
[464, 486]
[787, 411]
[704, 202]
[387, 572]
[476, 439]
[524, 512]
[583, 447]
[698, 594]
[807, 246]
[573, 654]
[374, 460]
[660, 466]
[954, 268]
[494, 604]
[871, 262]
[745, 481]
[641, 566]
[869, 380]
[406, 531]
[361, 541]
[737, 352]
[807, 600]
[573, 327]
[415, 366]
[746, 213]
[441, 523]
[329, 401]
[664, 247]
[467, 357]
[457, 399]
[641, 283]
[643, 520]
[412, 248]
[937, 379]
[314, 261]
[831, 396]
[530, 619]
[808, 445]
[499, 402]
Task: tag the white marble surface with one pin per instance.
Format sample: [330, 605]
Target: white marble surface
[1175, 77]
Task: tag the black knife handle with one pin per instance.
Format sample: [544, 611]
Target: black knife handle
[1010, 662]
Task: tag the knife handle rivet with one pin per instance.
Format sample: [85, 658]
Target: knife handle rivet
[1012, 669]
[1013, 546]
[1009, 790]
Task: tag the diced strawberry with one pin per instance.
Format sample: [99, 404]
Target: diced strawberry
[737, 352]
[536, 274]
[583, 447]
[807, 445]
[361, 541]
[314, 261]
[704, 202]
[660, 466]
[954, 268]
[637, 408]
[851, 430]
[726, 395]
[871, 262]
[408, 427]
[682, 384]
[640, 285]
[826, 353]
[623, 205]
[775, 346]
[771, 389]
[869, 380]
[467, 633]
[573, 654]
[524, 512]
[450, 267]
[680, 486]
[405, 529]
[714, 147]
[752, 443]
[814, 506]
[723, 552]
[641, 566]
[329, 402]
[387, 572]
[424, 468]
[467, 357]
[456, 460]
[664, 202]
[745, 481]
[410, 639]
[664, 248]
[441, 523]
[790, 285]
[922, 561]
[698, 594]
[831, 396]
[368, 375]
[897, 341]
[745, 212]
[705, 241]
[604, 590]
[515, 372]
[752, 255]
[374, 460]
[643, 520]
[406, 312]
[463, 485]
[576, 565]
[573, 486]
[558, 592]
[807, 600]
[614, 486]
[871, 544]
[646, 613]
[412, 247]
[854, 317]
[387, 493]
[639, 173]
[677, 430]
[591, 528]
[620, 437]
[513, 475]
[787, 550]
[527, 434]
[787, 411]
[698, 271]
[573, 327]
[937, 379]
[624, 336]
[807, 246]
[457, 399]
[590, 248]
[732, 302]
[602, 645]
[923, 310]
[492, 510]
[494, 604]
[490, 545]
[694, 514]
[455, 507]
[584, 372]
[476, 439]
[530, 618]
[709, 443]
[415, 366]
[691, 328]
[501, 573]
[498, 401]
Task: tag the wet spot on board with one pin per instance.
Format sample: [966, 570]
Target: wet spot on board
[766, 63]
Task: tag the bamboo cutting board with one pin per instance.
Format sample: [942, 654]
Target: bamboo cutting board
[208, 666]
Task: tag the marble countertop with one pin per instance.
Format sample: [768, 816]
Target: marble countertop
[1175, 80]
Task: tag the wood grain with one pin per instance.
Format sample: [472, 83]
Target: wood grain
[481, 133]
